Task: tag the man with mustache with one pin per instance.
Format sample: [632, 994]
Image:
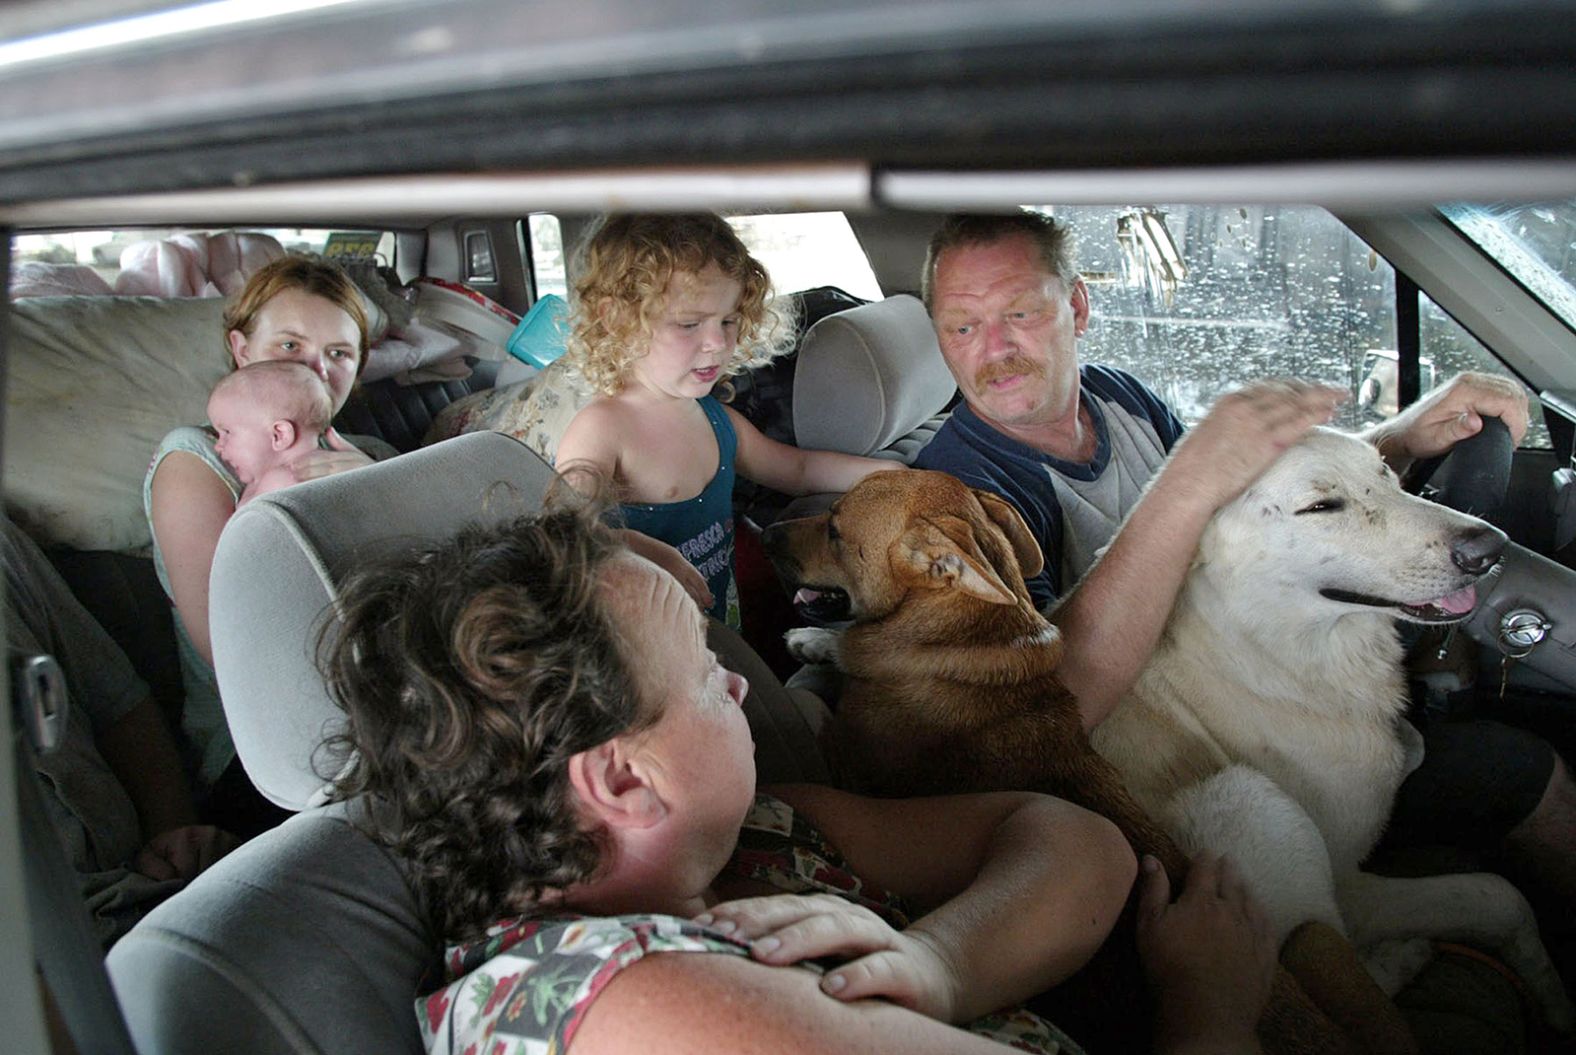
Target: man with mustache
[1076, 448]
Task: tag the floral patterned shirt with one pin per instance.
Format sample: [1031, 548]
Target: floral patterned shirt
[525, 986]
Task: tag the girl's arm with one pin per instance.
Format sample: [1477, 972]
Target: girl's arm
[589, 448]
[190, 506]
[795, 471]
[1021, 889]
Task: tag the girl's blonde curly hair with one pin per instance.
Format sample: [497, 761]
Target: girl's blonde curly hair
[622, 275]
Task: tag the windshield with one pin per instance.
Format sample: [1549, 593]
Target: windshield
[1535, 243]
[1197, 300]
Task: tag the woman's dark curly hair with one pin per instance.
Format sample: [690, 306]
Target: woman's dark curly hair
[471, 670]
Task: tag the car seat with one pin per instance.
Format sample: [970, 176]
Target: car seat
[307, 938]
[869, 381]
[869, 377]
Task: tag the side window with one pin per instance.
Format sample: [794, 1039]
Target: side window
[1198, 300]
[479, 266]
[545, 237]
[1452, 349]
[808, 249]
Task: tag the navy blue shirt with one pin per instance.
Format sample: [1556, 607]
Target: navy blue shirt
[982, 457]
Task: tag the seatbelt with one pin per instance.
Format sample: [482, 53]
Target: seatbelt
[69, 956]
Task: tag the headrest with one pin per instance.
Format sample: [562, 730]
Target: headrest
[868, 376]
[277, 569]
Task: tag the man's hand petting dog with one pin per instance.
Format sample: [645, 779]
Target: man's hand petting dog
[1209, 955]
[1245, 432]
[813, 644]
[900, 966]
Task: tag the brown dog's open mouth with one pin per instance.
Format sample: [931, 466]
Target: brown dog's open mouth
[1446, 609]
[821, 604]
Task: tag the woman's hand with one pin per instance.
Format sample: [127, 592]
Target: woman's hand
[671, 561]
[340, 457]
[899, 966]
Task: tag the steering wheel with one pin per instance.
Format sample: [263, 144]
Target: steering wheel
[1473, 476]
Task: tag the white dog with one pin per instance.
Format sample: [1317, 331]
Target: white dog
[1268, 725]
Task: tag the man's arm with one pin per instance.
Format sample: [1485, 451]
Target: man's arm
[140, 752]
[1111, 621]
[1448, 415]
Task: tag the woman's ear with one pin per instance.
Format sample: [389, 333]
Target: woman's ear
[239, 351]
[612, 790]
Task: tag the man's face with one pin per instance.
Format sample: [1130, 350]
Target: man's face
[1008, 331]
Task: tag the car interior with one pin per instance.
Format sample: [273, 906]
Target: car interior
[1364, 202]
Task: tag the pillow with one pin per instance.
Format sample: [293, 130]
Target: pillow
[535, 411]
[94, 384]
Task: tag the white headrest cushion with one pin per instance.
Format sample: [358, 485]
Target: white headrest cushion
[868, 376]
[277, 570]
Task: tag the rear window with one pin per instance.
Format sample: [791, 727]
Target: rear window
[101, 250]
[803, 250]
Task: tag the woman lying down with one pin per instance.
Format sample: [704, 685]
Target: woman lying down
[570, 778]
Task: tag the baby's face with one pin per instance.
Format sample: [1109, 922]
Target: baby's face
[245, 435]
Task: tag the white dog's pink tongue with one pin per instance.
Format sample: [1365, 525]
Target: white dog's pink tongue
[805, 595]
[1457, 603]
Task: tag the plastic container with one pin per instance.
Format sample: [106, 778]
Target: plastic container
[540, 337]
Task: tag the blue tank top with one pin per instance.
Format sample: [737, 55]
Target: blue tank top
[701, 528]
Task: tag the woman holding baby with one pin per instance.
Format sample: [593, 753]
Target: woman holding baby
[295, 309]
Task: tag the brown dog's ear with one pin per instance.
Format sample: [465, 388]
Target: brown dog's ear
[1006, 516]
[951, 558]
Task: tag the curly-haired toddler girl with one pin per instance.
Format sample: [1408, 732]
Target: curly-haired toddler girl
[664, 308]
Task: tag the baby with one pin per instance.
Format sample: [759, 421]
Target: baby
[665, 308]
[267, 415]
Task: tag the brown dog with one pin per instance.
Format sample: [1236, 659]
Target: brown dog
[952, 685]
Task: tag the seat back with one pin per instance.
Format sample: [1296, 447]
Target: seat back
[869, 376]
[870, 380]
[274, 581]
[307, 939]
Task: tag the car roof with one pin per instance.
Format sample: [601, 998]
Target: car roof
[481, 105]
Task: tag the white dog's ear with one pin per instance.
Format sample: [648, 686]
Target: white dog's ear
[945, 561]
[1006, 516]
